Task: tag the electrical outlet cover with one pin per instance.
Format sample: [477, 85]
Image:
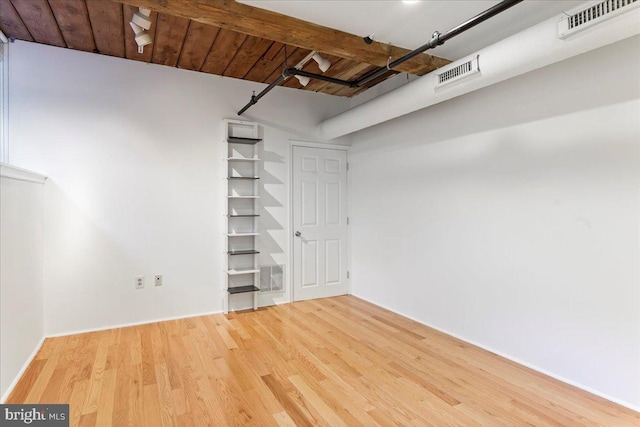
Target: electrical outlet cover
[158, 280]
[139, 282]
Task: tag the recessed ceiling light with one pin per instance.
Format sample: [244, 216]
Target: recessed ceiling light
[410, 1]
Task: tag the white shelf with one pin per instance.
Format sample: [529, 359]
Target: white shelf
[242, 159]
[238, 271]
[241, 271]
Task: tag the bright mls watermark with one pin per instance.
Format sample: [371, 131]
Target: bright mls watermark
[34, 415]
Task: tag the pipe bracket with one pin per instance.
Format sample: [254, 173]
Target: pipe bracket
[435, 39]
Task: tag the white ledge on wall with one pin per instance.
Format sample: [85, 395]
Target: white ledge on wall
[14, 172]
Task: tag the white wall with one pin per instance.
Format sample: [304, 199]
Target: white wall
[134, 157]
[21, 284]
[510, 217]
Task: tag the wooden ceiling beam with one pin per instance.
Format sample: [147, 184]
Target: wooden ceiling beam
[253, 21]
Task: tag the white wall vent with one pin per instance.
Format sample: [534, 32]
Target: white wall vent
[458, 72]
[272, 278]
[592, 15]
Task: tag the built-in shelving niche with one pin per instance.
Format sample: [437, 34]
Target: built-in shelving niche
[242, 276]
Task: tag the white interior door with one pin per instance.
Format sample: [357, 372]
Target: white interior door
[319, 223]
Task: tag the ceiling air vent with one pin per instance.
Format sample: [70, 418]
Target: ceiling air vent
[592, 15]
[458, 72]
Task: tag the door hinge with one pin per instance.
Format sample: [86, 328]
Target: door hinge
[347, 220]
[347, 165]
[348, 274]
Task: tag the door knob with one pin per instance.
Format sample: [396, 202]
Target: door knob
[298, 234]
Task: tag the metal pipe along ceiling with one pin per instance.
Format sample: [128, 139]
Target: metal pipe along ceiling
[533, 48]
[436, 40]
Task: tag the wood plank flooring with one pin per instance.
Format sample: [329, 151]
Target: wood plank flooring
[331, 362]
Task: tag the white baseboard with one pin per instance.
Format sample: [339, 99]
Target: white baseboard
[125, 325]
[22, 370]
[511, 358]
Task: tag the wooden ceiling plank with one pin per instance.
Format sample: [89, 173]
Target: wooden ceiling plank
[11, 24]
[108, 27]
[197, 44]
[270, 61]
[248, 55]
[265, 66]
[274, 51]
[171, 32]
[231, 15]
[131, 48]
[73, 20]
[222, 52]
[39, 19]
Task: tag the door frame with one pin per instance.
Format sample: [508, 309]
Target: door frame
[296, 143]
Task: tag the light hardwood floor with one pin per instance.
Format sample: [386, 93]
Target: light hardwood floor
[335, 362]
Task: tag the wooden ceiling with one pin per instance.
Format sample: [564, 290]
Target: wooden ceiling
[212, 36]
